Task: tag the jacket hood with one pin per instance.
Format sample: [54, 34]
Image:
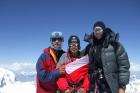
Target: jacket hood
[109, 35]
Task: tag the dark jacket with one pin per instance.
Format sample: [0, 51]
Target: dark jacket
[114, 60]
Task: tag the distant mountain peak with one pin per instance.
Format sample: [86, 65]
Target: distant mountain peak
[6, 77]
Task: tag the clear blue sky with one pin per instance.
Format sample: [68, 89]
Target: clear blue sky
[26, 25]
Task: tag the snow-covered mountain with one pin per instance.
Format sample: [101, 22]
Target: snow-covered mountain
[9, 84]
[23, 71]
[20, 78]
[6, 77]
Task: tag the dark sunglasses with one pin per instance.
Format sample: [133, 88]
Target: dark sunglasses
[54, 39]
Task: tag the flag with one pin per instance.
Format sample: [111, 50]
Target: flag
[78, 68]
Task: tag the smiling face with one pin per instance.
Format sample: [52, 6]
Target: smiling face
[74, 46]
[98, 32]
[57, 43]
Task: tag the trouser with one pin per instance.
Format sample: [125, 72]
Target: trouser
[99, 86]
[100, 92]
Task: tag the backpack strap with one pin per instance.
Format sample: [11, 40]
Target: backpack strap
[53, 55]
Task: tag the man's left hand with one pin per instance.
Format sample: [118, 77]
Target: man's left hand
[121, 90]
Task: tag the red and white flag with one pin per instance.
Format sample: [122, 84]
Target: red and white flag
[78, 68]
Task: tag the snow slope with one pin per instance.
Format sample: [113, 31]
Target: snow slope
[11, 81]
[8, 83]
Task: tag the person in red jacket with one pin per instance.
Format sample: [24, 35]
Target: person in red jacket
[47, 74]
[65, 83]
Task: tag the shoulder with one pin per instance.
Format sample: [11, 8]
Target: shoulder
[85, 50]
[45, 54]
[65, 55]
[63, 59]
[46, 50]
[110, 35]
[62, 51]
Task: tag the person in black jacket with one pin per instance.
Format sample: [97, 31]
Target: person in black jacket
[109, 63]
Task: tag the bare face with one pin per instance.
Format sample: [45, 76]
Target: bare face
[57, 43]
[98, 32]
[74, 47]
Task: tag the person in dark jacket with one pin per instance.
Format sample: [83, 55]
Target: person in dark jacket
[47, 74]
[109, 63]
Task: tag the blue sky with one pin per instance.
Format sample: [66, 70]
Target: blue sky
[26, 25]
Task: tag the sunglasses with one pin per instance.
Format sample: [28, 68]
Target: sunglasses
[98, 30]
[73, 44]
[54, 39]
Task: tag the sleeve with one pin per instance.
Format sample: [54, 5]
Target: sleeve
[86, 83]
[41, 68]
[63, 59]
[62, 83]
[123, 64]
[85, 51]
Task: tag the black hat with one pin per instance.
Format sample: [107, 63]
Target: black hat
[99, 23]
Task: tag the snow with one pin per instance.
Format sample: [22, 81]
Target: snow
[134, 67]
[23, 71]
[11, 81]
[133, 87]
[6, 77]
[19, 87]
[22, 68]
[8, 83]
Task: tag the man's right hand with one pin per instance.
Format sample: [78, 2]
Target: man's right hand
[68, 91]
[121, 90]
[61, 69]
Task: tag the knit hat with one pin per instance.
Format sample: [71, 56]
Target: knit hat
[100, 24]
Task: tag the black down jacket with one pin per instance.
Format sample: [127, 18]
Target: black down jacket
[114, 59]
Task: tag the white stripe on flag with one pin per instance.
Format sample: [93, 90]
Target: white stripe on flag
[77, 64]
